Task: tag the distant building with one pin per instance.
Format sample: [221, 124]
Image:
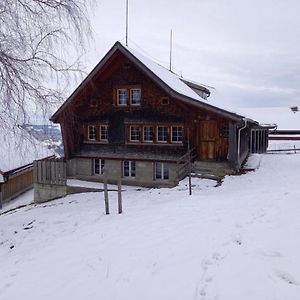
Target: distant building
[285, 119]
[136, 120]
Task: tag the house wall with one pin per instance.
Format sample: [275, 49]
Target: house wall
[97, 101]
[16, 184]
[82, 168]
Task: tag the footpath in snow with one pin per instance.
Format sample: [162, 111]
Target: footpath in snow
[236, 241]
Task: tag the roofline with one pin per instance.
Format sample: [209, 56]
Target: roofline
[160, 82]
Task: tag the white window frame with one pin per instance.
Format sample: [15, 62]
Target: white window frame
[172, 136]
[100, 133]
[144, 135]
[131, 97]
[131, 168]
[101, 166]
[130, 136]
[163, 168]
[157, 133]
[90, 127]
[118, 97]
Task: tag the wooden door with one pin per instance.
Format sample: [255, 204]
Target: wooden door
[208, 140]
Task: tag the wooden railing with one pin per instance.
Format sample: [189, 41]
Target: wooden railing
[184, 163]
[50, 171]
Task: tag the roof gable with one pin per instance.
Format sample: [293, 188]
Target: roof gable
[174, 85]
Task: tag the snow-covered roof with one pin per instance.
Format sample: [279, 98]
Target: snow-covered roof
[170, 81]
[173, 80]
[284, 117]
[18, 148]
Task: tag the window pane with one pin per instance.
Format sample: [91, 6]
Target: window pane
[126, 168]
[92, 132]
[162, 134]
[132, 168]
[158, 170]
[102, 166]
[135, 133]
[104, 133]
[165, 171]
[135, 96]
[148, 133]
[177, 133]
[122, 97]
[96, 166]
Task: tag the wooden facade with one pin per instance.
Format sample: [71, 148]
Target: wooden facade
[123, 107]
[16, 183]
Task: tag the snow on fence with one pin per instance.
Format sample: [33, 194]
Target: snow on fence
[50, 171]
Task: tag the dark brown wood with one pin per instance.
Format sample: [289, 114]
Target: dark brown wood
[96, 103]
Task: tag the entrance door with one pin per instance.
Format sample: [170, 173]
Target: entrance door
[208, 140]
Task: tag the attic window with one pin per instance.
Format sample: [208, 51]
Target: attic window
[135, 97]
[93, 103]
[122, 96]
[92, 133]
[164, 101]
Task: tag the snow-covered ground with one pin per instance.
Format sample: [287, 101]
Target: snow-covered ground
[240, 240]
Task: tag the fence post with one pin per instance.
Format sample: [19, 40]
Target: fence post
[106, 193]
[119, 196]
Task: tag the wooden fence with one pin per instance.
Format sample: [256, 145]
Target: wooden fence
[50, 171]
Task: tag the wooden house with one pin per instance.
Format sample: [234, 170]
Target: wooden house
[18, 150]
[134, 119]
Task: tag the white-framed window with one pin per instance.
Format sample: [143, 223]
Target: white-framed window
[98, 167]
[122, 97]
[161, 171]
[148, 134]
[135, 133]
[129, 168]
[92, 132]
[162, 134]
[177, 134]
[104, 133]
[135, 97]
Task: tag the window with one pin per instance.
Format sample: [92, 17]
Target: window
[129, 168]
[93, 102]
[148, 134]
[161, 171]
[225, 131]
[135, 133]
[177, 133]
[92, 132]
[122, 96]
[162, 134]
[99, 166]
[135, 97]
[164, 101]
[104, 133]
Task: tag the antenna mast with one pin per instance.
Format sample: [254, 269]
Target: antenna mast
[126, 22]
[171, 46]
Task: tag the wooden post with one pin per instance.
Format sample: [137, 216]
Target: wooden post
[106, 202]
[1, 196]
[120, 196]
[190, 164]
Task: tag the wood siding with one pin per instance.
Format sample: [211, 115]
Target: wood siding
[17, 184]
[97, 104]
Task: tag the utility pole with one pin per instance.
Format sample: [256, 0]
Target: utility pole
[127, 23]
[171, 49]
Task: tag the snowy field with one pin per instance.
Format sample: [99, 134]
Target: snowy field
[237, 241]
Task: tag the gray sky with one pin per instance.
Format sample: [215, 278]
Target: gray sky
[249, 50]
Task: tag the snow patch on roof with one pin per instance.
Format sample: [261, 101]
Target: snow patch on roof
[171, 79]
[18, 148]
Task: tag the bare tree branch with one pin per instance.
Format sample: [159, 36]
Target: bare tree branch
[37, 40]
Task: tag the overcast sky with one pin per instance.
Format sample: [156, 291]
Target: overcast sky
[248, 50]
